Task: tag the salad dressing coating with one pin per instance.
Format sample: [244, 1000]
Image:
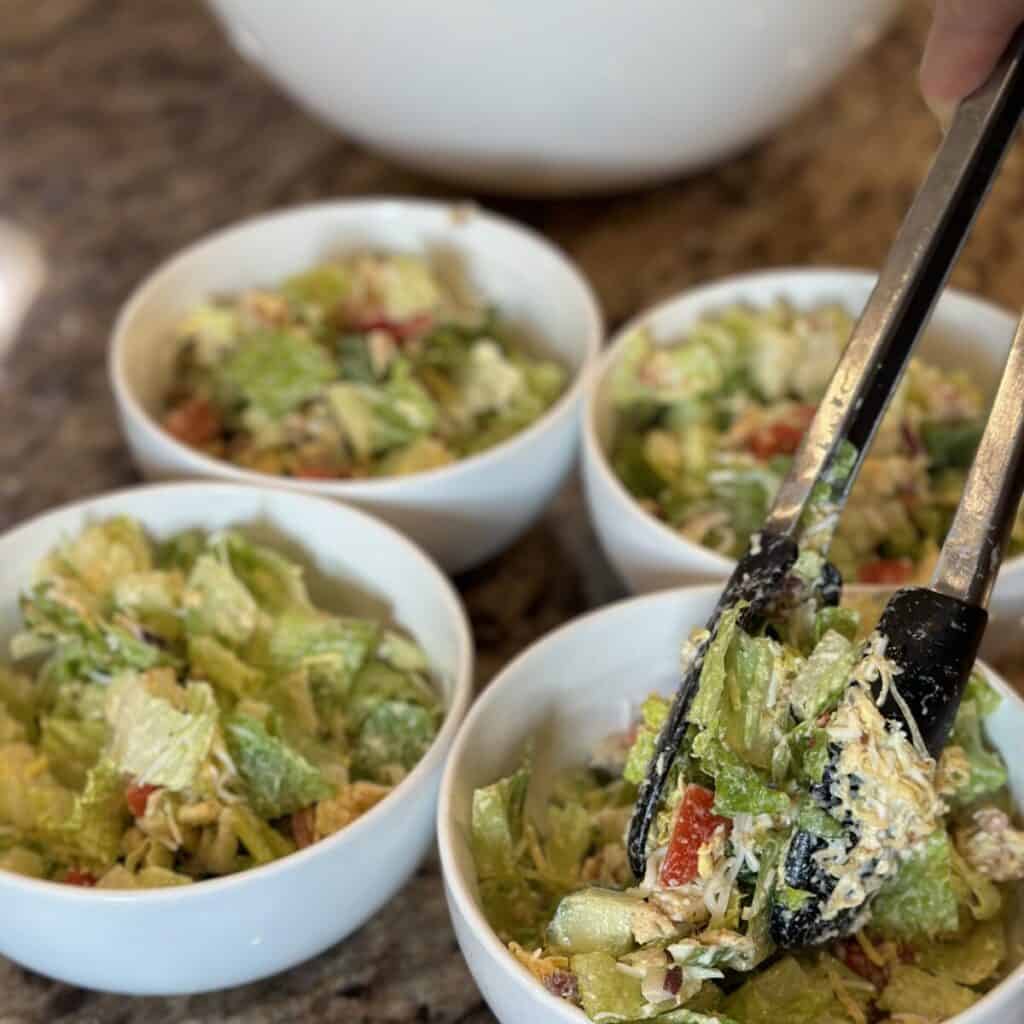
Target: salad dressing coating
[707, 425]
[367, 366]
[183, 710]
[789, 710]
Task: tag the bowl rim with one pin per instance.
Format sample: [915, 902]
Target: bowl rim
[457, 886]
[461, 694]
[596, 457]
[369, 206]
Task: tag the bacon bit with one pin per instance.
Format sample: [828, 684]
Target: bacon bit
[674, 979]
[194, 422]
[137, 796]
[304, 827]
[400, 330]
[886, 570]
[562, 984]
[853, 955]
[76, 876]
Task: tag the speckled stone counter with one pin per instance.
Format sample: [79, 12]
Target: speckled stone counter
[129, 128]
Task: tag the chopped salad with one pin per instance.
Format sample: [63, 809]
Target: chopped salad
[708, 425]
[182, 710]
[367, 366]
[691, 942]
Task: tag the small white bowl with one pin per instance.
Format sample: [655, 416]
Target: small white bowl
[219, 933]
[650, 555]
[564, 694]
[545, 97]
[462, 513]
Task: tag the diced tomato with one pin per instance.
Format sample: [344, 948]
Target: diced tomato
[136, 796]
[304, 827]
[784, 436]
[77, 877]
[194, 421]
[694, 826]
[886, 570]
[400, 330]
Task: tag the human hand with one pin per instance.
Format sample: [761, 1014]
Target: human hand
[967, 37]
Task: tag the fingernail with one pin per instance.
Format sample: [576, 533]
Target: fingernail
[943, 111]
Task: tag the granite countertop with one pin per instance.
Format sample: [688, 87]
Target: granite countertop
[128, 129]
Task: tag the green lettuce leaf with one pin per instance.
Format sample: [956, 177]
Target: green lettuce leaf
[278, 780]
[497, 824]
[218, 604]
[920, 901]
[377, 683]
[967, 960]
[569, 835]
[739, 788]
[211, 661]
[72, 746]
[653, 713]
[153, 741]
[99, 816]
[275, 582]
[153, 599]
[392, 739]
[100, 555]
[707, 707]
[273, 372]
[914, 991]
[988, 771]
[824, 676]
[607, 994]
[786, 991]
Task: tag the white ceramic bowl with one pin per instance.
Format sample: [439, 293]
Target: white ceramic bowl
[224, 932]
[567, 692]
[648, 554]
[463, 513]
[554, 96]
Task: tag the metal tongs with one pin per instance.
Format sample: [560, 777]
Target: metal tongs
[933, 632]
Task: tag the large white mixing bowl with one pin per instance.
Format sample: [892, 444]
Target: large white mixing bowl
[554, 96]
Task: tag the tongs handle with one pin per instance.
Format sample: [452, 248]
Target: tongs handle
[984, 519]
[914, 273]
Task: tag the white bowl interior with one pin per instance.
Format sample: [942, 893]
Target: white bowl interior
[569, 691]
[527, 279]
[961, 326]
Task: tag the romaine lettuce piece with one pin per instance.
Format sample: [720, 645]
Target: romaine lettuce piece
[153, 741]
[392, 739]
[275, 582]
[569, 836]
[153, 599]
[401, 652]
[594, 920]
[420, 455]
[756, 711]
[707, 707]
[218, 604]
[739, 788]
[967, 960]
[211, 330]
[324, 285]
[100, 555]
[497, 824]
[921, 900]
[824, 676]
[278, 780]
[273, 372]
[212, 662]
[333, 647]
[376, 683]
[99, 816]
[988, 771]
[72, 746]
[607, 993]
[784, 992]
[979, 894]
[913, 991]
[653, 713]
[33, 805]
